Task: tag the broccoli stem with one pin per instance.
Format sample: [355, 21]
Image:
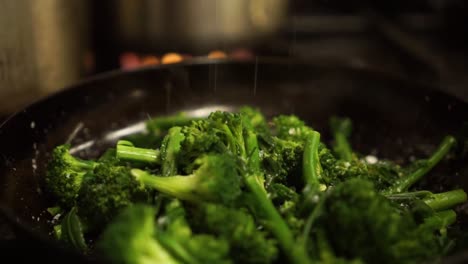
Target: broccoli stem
[443, 218]
[341, 129]
[343, 148]
[72, 231]
[311, 167]
[445, 200]
[437, 201]
[406, 182]
[177, 186]
[80, 164]
[234, 145]
[253, 159]
[58, 231]
[126, 151]
[309, 223]
[175, 248]
[251, 145]
[170, 148]
[276, 223]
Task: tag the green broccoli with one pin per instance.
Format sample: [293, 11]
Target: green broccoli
[131, 238]
[291, 127]
[106, 193]
[248, 244]
[71, 231]
[312, 169]
[256, 118]
[215, 179]
[65, 174]
[176, 235]
[436, 201]
[125, 150]
[357, 216]
[236, 187]
[341, 129]
[407, 181]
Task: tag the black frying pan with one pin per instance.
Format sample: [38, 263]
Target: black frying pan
[394, 118]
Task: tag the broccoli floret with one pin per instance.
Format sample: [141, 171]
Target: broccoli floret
[106, 193]
[256, 118]
[291, 127]
[258, 199]
[382, 173]
[354, 207]
[281, 159]
[198, 138]
[65, 174]
[216, 179]
[248, 244]
[229, 128]
[280, 193]
[131, 238]
[176, 235]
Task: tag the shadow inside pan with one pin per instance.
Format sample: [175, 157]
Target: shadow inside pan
[393, 118]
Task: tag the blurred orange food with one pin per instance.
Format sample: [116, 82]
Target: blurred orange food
[129, 60]
[150, 60]
[171, 58]
[217, 54]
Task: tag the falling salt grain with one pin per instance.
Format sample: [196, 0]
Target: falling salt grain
[33, 164]
[33, 124]
[56, 217]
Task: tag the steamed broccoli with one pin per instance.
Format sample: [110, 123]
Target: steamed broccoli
[130, 238]
[407, 181]
[177, 236]
[247, 243]
[106, 193]
[126, 150]
[236, 187]
[357, 216]
[215, 179]
[341, 129]
[65, 174]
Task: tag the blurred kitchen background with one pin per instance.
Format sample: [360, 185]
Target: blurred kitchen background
[48, 45]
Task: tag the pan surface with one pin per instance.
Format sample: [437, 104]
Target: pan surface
[393, 118]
